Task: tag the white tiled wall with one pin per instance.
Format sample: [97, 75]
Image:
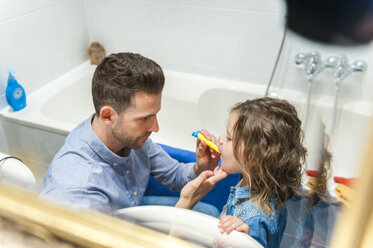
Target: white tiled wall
[238, 40]
[40, 39]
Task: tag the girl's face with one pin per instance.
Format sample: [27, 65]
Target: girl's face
[228, 161]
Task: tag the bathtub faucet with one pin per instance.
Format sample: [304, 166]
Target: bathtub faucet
[342, 68]
[311, 63]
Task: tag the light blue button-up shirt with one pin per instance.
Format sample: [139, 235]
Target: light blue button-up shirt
[86, 174]
[267, 230]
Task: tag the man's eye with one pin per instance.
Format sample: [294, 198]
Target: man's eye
[144, 118]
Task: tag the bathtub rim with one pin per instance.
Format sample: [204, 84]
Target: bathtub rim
[32, 115]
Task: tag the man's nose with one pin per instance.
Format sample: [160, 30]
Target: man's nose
[155, 125]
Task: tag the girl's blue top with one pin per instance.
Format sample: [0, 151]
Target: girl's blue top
[267, 230]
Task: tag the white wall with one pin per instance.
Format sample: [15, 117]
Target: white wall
[238, 40]
[40, 39]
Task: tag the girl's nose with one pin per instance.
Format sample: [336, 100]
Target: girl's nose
[220, 140]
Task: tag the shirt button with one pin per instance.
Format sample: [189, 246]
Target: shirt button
[127, 172]
[115, 164]
[135, 193]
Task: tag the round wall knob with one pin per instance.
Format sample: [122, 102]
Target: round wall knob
[330, 62]
[300, 59]
[359, 66]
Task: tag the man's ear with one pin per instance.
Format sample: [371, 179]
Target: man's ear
[108, 115]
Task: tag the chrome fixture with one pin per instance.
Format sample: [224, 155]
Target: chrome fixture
[342, 68]
[311, 63]
[359, 66]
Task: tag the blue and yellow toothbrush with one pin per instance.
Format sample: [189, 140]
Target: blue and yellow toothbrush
[208, 142]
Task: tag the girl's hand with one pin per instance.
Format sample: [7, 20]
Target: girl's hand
[228, 223]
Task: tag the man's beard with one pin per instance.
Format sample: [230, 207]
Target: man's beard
[126, 141]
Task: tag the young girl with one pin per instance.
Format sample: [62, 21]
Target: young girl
[263, 142]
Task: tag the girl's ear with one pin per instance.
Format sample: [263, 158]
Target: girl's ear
[108, 115]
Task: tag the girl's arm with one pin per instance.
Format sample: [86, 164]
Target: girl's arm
[196, 189]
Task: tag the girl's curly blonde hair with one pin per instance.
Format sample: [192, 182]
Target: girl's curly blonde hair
[268, 142]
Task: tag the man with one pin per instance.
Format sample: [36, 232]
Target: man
[106, 161]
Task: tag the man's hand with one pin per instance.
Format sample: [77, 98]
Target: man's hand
[207, 158]
[228, 223]
[196, 189]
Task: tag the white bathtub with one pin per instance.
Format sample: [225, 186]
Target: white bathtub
[190, 103]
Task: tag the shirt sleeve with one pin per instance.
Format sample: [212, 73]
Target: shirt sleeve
[169, 171]
[79, 197]
[66, 183]
[258, 229]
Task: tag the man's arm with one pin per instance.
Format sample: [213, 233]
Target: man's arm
[80, 198]
[196, 189]
[167, 170]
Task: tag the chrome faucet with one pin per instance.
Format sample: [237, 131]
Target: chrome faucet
[342, 68]
[311, 63]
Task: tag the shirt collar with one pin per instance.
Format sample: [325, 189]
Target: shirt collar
[99, 147]
[240, 192]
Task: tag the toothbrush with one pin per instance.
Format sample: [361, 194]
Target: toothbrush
[208, 142]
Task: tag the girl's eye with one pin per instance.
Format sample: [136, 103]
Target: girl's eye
[229, 138]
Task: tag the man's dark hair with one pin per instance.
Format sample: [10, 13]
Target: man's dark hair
[119, 76]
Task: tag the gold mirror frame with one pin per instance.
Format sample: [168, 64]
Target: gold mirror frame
[354, 227]
[84, 228]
